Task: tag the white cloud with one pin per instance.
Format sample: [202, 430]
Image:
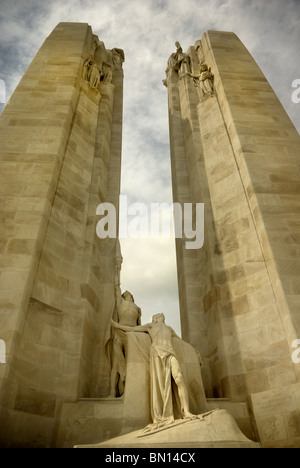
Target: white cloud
[148, 272]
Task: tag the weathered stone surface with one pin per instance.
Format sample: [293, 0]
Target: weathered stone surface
[217, 430]
[234, 149]
[60, 156]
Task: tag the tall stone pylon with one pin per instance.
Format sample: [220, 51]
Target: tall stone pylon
[60, 156]
[234, 148]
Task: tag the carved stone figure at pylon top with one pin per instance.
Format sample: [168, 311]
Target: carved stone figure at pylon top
[205, 72]
[179, 61]
[118, 57]
[100, 65]
[206, 79]
[107, 73]
[179, 56]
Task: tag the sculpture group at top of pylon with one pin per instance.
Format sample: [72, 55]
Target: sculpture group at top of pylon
[99, 67]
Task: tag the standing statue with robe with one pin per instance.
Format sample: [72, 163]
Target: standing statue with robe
[165, 368]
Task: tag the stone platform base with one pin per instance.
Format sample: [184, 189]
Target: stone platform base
[216, 430]
[91, 421]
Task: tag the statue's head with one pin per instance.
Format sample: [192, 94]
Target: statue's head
[177, 44]
[128, 296]
[158, 318]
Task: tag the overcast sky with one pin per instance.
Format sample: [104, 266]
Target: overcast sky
[147, 31]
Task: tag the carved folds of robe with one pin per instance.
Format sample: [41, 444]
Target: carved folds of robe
[149, 380]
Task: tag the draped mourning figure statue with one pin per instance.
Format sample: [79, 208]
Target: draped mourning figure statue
[167, 383]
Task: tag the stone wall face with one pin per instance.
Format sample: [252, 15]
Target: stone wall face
[236, 151]
[60, 156]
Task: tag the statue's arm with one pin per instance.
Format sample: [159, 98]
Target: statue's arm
[139, 328]
[118, 294]
[118, 265]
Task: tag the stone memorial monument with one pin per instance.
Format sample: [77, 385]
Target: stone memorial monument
[234, 148]
[80, 369]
